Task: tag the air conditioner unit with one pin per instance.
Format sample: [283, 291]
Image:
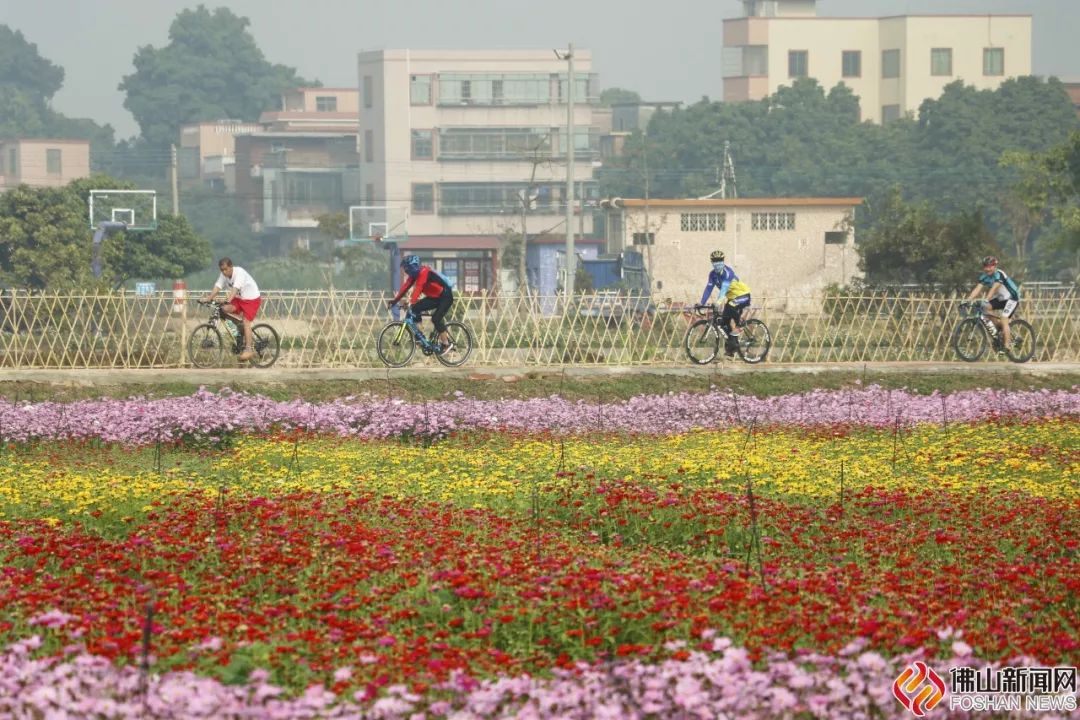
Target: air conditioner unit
[256, 171]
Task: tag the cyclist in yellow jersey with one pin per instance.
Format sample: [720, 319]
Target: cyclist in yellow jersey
[737, 294]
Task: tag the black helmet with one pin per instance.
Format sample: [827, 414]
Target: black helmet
[989, 260]
[716, 256]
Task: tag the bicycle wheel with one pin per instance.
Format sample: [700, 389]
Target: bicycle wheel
[462, 339]
[969, 339]
[395, 345]
[205, 346]
[754, 342]
[1022, 347]
[266, 344]
[702, 342]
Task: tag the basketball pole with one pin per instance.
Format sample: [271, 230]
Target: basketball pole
[105, 228]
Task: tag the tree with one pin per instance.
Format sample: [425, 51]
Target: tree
[172, 250]
[46, 241]
[22, 67]
[364, 262]
[220, 219]
[28, 82]
[617, 95]
[911, 243]
[210, 69]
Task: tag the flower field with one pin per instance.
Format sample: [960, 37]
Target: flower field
[703, 555]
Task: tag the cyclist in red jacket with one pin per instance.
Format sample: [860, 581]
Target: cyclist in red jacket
[438, 296]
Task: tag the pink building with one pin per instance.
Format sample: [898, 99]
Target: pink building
[43, 162]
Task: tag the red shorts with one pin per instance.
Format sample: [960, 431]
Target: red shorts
[247, 308]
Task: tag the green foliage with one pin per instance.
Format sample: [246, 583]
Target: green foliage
[46, 241]
[804, 141]
[172, 250]
[912, 243]
[220, 219]
[22, 67]
[27, 83]
[210, 69]
[615, 95]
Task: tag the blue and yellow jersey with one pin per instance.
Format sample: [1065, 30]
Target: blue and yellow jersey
[728, 282]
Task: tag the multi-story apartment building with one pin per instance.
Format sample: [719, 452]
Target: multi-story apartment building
[43, 162]
[207, 152]
[286, 180]
[460, 137]
[891, 63]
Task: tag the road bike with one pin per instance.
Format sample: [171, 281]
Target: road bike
[399, 339]
[704, 337]
[207, 343]
[976, 332]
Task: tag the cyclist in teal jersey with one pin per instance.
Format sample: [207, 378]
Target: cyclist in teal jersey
[1001, 294]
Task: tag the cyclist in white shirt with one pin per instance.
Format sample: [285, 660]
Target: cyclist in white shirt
[241, 299]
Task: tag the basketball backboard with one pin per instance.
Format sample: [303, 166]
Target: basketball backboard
[137, 209]
[377, 223]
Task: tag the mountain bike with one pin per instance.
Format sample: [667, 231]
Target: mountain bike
[206, 345]
[704, 336]
[976, 332]
[399, 339]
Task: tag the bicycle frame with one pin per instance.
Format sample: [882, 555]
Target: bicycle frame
[418, 335]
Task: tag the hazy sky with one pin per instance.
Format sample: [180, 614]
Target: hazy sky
[666, 51]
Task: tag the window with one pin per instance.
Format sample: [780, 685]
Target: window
[890, 63]
[325, 103]
[312, 189]
[772, 221]
[492, 198]
[496, 89]
[369, 146]
[641, 238]
[13, 164]
[420, 89]
[797, 61]
[369, 193]
[423, 198]
[368, 91]
[993, 61]
[889, 113]
[941, 62]
[52, 162]
[851, 63]
[835, 237]
[755, 61]
[493, 143]
[423, 145]
[702, 222]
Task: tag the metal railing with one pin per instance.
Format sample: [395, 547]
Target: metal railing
[337, 329]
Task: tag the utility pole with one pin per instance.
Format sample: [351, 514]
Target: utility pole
[570, 258]
[175, 182]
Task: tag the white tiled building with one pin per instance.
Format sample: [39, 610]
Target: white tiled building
[891, 63]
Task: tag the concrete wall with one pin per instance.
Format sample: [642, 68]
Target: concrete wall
[772, 262]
